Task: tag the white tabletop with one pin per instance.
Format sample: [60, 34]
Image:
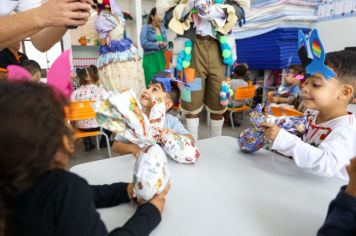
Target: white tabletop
[227, 192]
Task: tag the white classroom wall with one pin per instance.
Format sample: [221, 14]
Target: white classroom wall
[337, 34]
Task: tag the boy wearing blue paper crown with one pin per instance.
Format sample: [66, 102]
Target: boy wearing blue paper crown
[162, 86]
[329, 142]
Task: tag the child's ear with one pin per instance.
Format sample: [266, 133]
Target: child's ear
[347, 91]
[168, 102]
[68, 145]
[61, 158]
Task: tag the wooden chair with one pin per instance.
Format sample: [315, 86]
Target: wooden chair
[244, 94]
[82, 110]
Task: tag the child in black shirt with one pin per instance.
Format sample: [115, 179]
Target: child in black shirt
[37, 195]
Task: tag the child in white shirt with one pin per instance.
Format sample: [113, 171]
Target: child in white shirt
[330, 141]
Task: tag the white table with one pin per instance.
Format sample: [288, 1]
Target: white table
[227, 193]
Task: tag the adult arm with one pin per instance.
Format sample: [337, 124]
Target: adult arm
[45, 24]
[145, 43]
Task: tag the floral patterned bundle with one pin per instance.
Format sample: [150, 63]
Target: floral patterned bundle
[151, 173]
[123, 114]
[252, 139]
[180, 148]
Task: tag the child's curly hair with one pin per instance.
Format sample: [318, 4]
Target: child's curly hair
[32, 130]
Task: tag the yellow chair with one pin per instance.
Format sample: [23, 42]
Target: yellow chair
[244, 94]
[82, 110]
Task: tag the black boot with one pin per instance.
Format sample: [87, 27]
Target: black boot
[88, 145]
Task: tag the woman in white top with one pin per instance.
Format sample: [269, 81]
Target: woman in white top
[44, 23]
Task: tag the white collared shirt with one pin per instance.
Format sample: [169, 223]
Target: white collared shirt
[9, 6]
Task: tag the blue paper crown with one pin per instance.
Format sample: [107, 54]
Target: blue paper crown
[317, 64]
[166, 81]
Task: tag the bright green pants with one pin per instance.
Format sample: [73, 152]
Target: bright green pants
[152, 64]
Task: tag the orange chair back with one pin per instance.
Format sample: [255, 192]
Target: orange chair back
[80, 110]
[285, 111]
[244, 93]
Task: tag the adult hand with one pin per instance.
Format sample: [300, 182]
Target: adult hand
[59, 13]
[162, 44]
[271, 131]
[159, 200]
[351, 170]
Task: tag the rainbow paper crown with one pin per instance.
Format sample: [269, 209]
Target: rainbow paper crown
[315, 62]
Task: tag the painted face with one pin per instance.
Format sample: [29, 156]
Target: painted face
[154, 91]
[321, 94]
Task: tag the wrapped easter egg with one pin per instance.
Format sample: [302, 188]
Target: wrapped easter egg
[251, 140]
[151, 173]
[180, 148]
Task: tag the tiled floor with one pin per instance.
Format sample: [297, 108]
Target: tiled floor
[81, 156]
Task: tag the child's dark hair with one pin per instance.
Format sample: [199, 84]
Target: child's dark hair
[298, 69]
[84, 76]
[31, 66]
[174, 95]
[32, 131]
[240, 70]
[343, 64]
[93, 73]
[153, 12]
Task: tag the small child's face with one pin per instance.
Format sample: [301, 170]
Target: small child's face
[290, 78]
[321, 94]
[154, 91]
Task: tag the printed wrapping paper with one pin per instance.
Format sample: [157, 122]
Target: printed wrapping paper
[108, 117]
[123, 114]
[156, 118]
[253, 139]
[151, 173]
[180, 148]
[126, 103]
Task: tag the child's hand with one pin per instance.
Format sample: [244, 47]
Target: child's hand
[130, 191]
[351, 170]
[275, 99]
[166, 131]
[160, 199]
[271, 131]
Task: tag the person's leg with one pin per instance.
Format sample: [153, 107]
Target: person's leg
[196, 105]
[103, 143]
[216, 75]
[88, 144]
